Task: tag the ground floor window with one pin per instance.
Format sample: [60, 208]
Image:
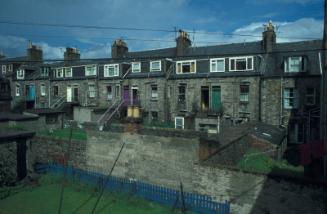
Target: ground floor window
[179, 122]
[51, 119]
[109, 92]
[290, 98]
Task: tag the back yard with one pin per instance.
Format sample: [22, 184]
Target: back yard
[44, 197]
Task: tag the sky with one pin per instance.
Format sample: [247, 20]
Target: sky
[209, 22]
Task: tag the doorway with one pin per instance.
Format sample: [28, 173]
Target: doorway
[204, 98]
[216, 98]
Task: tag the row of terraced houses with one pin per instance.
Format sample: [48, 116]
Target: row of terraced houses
[200, 88]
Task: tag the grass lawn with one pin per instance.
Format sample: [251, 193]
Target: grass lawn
[77, 134]
[261, 162]
[78, 198]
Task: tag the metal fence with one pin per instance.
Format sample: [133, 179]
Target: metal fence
[166, 196]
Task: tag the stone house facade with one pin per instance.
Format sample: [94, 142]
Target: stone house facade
[198, 88]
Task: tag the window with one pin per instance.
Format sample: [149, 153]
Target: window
[241, 63]
[217, 65]
[290, 98]
[109, 92]
[68, 72]
[181, 93]
[43, 90]
[4, 69]
[136, 67]
[51, 118]
[244, 92]
[90, 70]
[55, 90]
[117, 91]
[185, 67]
[17, 90]
[179, 122]
[44, 72]
[20, 74]
[154, 116]
[311, 96]
[154, 92]
[155, 66]
[91, 91]
[10, 67]
[294, 64]
[111, 70]
[59, 72]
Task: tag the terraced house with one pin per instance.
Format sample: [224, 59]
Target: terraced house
[200, 88]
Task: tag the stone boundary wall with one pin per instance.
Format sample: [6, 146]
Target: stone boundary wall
[166, 161]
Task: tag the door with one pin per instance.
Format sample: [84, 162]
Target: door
[75, 94]
[32, 92]
[204, 98]
[216, 98]
[135, 95]
[126, 95]
[69, 94]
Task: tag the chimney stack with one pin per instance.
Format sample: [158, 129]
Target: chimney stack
[71, 54]
[183, 42]
[268, 38]
[34, 53]
[119, 49]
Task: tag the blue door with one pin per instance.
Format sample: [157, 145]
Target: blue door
[31, 92]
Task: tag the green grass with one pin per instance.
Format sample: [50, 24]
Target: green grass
[255, 161]
[78, 198]
[159, 125]
[77, 134]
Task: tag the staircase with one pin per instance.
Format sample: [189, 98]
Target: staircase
[171, 69]
[58, 103]
[109, 113]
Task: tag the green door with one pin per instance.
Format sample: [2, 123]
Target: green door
[216, 98]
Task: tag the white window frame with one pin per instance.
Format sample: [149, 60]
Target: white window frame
[106, 70]
[248, 68]
[287, 98]
[17, 90]
[287, 64]
[179, 118]
[4, 69]
[59, 73]
[68, 70]
[185, 62]
[42, 90]
[310, 96]
[92, 93]
[44, 72]
[214, 61]
[154, 94]
[88, 73]
[134, 70]
[20, 74]
[155, 69]
[10, 67]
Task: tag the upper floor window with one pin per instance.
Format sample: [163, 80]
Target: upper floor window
[185, 67]
[68, 72]
[43, 90]
[155, 66]
[241, 63]
[290, 98]
[44, 72]
[136, 67]
[154, 92]
[92, 91]
[294, 64]
[59, 72]
[4, 69]
[17, 90]
[244, 92]
[217, 65]
[10, 67]
[311, 96]
[90, 70]
[20, 73]
[111, 70]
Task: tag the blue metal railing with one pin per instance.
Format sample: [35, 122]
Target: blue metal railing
[166, 196]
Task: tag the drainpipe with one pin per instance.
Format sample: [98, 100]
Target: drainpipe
[281, 102]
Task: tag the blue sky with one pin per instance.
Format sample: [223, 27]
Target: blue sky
[210, 19]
